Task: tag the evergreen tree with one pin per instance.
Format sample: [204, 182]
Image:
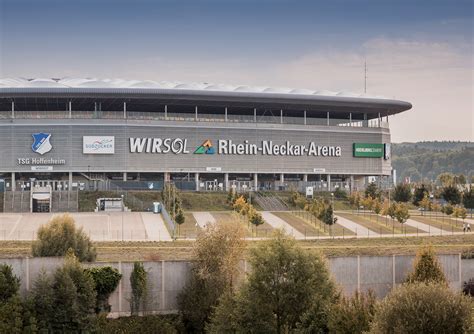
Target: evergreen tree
[419, 193]
[9, 283]
[372, 191]
[426, 268]
[402, 193]
[451, 194]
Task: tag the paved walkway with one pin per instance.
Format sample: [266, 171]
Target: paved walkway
[204, 218]
[277, 222]
[359, 230]
[155, 227]
[424, 227]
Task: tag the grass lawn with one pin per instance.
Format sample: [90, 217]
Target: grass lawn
[204, 201]
[181, 250]
[379, 224]
[444, 223]
[189, 229]
[264, 230]
[301, 225]
[336, 229]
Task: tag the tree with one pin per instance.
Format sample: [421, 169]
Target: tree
[426, 268]
[239, 203]
[451, 194]
[468, 287]
[468, 199]
[372, 191]
[106, 280]
[423, 308]
[74, 298]
[353, 315]
[446, 179]
[287, 288]
[60, 235]
[419, 193]
[256, 218]
[377, 206]
[43, 302]
[216, 255]
[9, 283]
[401, 213]
[17, 317]
[138, 282]
[402, 193]
[180, 219]
[448, 209]
[425, 203]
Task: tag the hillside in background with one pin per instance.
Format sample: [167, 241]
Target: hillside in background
[426, 160]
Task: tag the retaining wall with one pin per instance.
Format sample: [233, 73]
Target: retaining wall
[167, 278]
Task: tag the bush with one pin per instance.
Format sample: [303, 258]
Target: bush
[340, 193]
[138, 282]
[468, 288]
[106, 280]
[451, 194]
[9, 283]
[150, 324]
[423, 308]
[353, 315]
[60, 235]
[426, 268]
[402, 193]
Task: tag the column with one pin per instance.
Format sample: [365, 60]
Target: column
[281, 116]
[329, 182]
[70, 109]
[166, 177]
[351, 188]
[255, 115]
[196, 113]
[13, 109]
[366, 122]
[327, 115]
[226, 182]
[225, 117]
[125, 176]
[166, 111]
[70, 181]
[13, 182]
[255, 181]
[305, 177]
[125, 110]
[196, 180]
[305, 117]
[282, 177]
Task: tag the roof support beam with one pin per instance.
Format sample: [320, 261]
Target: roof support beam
[304, 117]
[124, 110]
[327, 115]
[13, 108]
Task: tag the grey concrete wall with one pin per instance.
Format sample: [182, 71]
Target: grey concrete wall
[167, 278]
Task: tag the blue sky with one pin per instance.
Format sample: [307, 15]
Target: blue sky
[415, 50]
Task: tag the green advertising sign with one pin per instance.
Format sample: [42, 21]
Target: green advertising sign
[368, 150]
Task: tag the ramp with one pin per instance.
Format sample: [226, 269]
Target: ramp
[359, 230]
[278, 223]
[155, 227]
[204, 218]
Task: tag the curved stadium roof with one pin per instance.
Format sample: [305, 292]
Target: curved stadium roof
[194, 92]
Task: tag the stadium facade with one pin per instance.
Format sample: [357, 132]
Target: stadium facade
[99, 134]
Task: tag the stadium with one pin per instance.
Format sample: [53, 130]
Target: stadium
[88, 134]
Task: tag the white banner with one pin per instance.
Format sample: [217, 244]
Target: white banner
[98, 144]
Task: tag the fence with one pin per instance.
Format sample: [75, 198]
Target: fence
[167, 278]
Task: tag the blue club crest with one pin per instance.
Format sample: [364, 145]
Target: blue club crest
[41, 143]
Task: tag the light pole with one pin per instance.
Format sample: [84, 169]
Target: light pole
[122, 214]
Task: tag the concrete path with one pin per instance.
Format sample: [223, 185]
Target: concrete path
[359, 230]
[155, 227]
[277, 222]
[204, 218]
[424, 227]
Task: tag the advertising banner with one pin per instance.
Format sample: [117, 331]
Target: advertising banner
[98, 144]
[364, 150]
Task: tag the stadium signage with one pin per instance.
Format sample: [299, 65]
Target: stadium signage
[40, 161]
[364, 150]
[228, 147]
[98, 144]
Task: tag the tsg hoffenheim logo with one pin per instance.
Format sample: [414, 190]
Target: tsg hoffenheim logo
[41, 143]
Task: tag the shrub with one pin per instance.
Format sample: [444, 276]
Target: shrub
[150, 324]
[353, 315]
[402, 193]
[138, 282]
[426, 267]
[60, 235]
[451, 194]
[468, 287]
[340, 193]
[9, 283]
[423, 308]
[106, 280]
[17, 317]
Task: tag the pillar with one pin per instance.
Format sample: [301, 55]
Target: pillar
[305, 177]
[226, 182]
[13, 182]
[351, 187]
[329, 182]
[13, 109]
[70, 181]
[255, 181]
[196, 180]
[125, 176]
[125, 110]
[282, 177]
[166, 177]
[196, 113]
[70, 109]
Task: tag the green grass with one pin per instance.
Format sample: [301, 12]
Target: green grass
[182, 250]
[264, 230]
[379, 224]
[189, 229]
[335, 230]
[444, 223]
[300, 225]
[204, 201]
[134, 200]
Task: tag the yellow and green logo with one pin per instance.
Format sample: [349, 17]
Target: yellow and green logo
[205, 148]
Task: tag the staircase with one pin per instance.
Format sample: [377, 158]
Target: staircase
[64, 201]
[270, 202]
[16, 201]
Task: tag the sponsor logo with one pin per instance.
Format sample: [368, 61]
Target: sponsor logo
[158, 145]
[98, 144]
[364, 150]
[205, 148]
[41, 143]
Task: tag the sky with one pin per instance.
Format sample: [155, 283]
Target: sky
[419, 51]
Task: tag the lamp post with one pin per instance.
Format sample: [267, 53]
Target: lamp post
[122, 214]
